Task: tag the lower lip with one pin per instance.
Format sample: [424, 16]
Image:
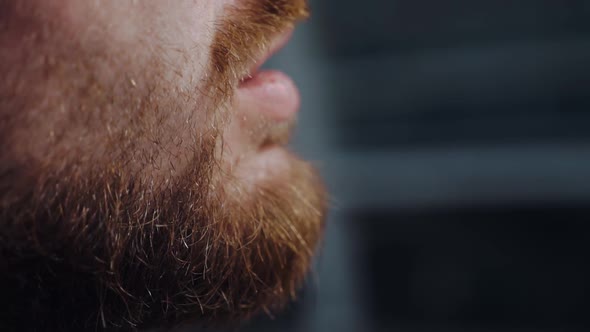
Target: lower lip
[273, 93]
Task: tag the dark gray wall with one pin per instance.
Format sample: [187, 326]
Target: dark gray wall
[454, 137]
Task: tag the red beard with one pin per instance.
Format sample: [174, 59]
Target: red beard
[91, 239]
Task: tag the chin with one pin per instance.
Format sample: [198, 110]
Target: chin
[103, 248]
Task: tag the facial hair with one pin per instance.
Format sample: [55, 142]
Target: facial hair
[91, 240]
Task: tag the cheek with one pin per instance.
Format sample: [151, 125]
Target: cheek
[179, 32]
[107, 80]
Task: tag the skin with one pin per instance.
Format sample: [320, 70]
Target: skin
[143, 182]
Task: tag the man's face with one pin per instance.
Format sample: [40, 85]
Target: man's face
[142, 174]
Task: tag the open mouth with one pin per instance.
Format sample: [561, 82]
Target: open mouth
[278, 43]
[272, 94]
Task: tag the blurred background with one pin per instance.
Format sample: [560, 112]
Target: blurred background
[454, 137]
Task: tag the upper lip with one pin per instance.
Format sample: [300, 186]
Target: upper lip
[275, 45]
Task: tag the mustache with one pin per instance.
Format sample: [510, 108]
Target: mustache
[245, 33]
